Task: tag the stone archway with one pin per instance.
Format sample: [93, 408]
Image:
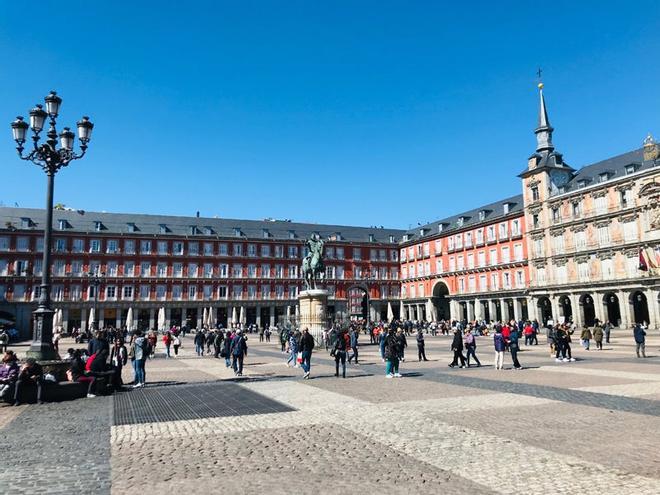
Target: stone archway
[440, 301]
[640, 307]
[588, 310]
[544, 308]
[566, 308]
[612, 308]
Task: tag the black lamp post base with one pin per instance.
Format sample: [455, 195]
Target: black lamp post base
[41, 347]
[42, 351]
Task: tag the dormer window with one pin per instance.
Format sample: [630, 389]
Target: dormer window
[98, 226]
[441, 227]
[371, 238]
[62, 224]
[162, 228]
[237, 232]
[131, 227]
[193, 230]
[208, 231]
[26, 223]
[482, 215]
[603, 177]
[630, 169]
[338, 236]
[581, 184]
[292, 234]
[392, 239]
[265, 234]
[460, 221]
[506, 207]
[406, 237]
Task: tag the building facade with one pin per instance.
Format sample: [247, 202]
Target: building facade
[469, 266]
[247, 270]
[585, 230]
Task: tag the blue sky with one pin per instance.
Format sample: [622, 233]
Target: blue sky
[390, 113]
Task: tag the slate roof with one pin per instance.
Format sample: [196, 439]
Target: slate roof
[494, 211]
[614, 166]
[118, 223]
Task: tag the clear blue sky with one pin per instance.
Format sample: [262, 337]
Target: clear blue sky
[391, 113]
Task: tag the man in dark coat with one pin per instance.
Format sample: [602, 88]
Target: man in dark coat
[457, 348]
[238, 350]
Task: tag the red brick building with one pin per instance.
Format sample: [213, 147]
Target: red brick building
[240, 268]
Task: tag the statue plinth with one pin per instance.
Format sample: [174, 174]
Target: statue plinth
[312, 304]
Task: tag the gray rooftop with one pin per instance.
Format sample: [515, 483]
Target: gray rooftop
[471, 218]
[119, 223]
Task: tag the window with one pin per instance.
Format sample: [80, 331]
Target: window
[412, 290]
[340, 273]
[357, 272]
[468, 239]
[576, 208]
[129, 247]
[222, 292]
[4, 243]
[535, 193]
[293, 271]
[177, 248]
[438, 266]
[162, 247]
[252, 250]
[60, 245]
[279, 291]
[506, 258]
[490, 233]
[237, 292]
[538, 248]
[556, 216]
[177, 292]
[144, 292]
[632, 267]
[127, 292]
[458, 241]
[192, 270]
[626, 198]
[411, 271]
[600, 204]
[252, 291]
[131, 227]
[562, 274]
[279, 251]
[223, 270]
[145, 269]
[504, 230]
[438, 247]
[472, 283]
[293, 252]
[111, 292]
[265, 250]
[62, 224]
[193, 248]
[535, 221]
[237, 270]
[558, 243]
[177, 270]
[452, 264]
[515, 227]
[208, 270]
[207, 291]
[394, 273]
[192, 292]
[330, 252]
[161, 270]
[580, 239]
[540, 275]
[583, 271]
[403, 255]
[470, 260]
[461, 285]
[604, 235]
[112, 246]
[162, 228]
[517, 252]
[492, 255]
[4, 267]
[22, 244]
[222, 249]
[481, 257]
[95, 246]
[129, 269]
[330, 272]
[506, 280]
[630, 230]
[340, 253]
[111, 269]
[252, 271]
[145, 247]
[20, 267]
[237, 249]
[373, 255]
[483, 283]
[19, 292]
[494, 281]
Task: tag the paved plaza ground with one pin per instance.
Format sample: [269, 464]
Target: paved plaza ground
[587, 427]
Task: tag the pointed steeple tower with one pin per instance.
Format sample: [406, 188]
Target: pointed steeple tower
[544, 130]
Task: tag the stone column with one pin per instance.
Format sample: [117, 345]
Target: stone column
[272, 316]
[200, 314]
[624, 306]
[152, 319]
[531, 309]
[100, 318]
[492, 310]
[599, 307]
[65, 320]
[470, 310]
[578, 310]
[83, 319]
[118, 318]
[504, 307]
[517, 309]
[258, 316]
[478, 310]
[168, 317]
[654, 311]
[554, 304]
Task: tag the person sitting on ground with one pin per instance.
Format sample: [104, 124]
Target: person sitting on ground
[8, 374]
[31, 374]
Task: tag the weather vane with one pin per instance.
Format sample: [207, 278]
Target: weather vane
[539, 73]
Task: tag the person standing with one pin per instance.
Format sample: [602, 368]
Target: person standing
[382, 339]
[585, 337]
[176, 343]
[238, 352]
[471, 347]
[421, 353]
[514, 348]
[403, 343]
[167, 342]
[607, 328]
[267, 334]
[139, 354]
[640, 340]
[598, 337]
[306, 348]
[355, 334]
[339, 353]
[283, 339]
[498, 341]
[392, 353]
[199, 342]
[293, 350]
[457, 349]
[226, 350]
[217, 343]
[118, 358]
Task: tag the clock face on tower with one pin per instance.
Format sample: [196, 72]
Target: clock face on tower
[559, 178]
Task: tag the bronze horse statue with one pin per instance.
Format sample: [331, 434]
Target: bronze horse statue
[312, 265]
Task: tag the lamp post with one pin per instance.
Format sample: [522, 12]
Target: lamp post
[95, 279]
[51, 159]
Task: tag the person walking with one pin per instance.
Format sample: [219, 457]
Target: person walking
[500, 345]
[139, 353]
[403, 343]
[514, 348]
[167, 342]
[339, 353]
[217, 343]
[199, 342]
[267, 334]
[392, 353]
[293, 350]
[382, 338]
[598, 337]
[238, 351]
[306, 348]
[284, 338]
[471, 347]
[585, 337]
[226, 350]
[176, 343]
[640, 340]
[421, 353]
[607, 328]
[457, 349]
[354, 335]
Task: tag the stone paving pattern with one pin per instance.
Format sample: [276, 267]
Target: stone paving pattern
[588, 427]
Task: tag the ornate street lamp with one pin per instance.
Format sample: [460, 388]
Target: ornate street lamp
[50, 158]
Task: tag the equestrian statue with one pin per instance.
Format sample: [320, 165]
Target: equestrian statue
[312, 265]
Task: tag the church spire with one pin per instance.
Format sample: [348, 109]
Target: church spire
[544, 130]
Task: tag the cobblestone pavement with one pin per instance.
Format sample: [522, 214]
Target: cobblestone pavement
[591, 427]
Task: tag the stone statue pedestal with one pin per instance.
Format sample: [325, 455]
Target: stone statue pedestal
[312, 305]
